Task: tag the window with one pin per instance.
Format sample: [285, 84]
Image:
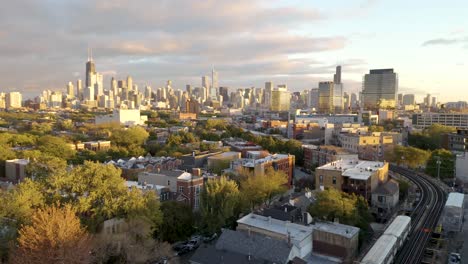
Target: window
[168, 183]
[197, 189]
[334, 180]
[181, 189]
[321, 179]
[381, 199]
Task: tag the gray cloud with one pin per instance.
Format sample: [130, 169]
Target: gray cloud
[445, 41]
[43, 43]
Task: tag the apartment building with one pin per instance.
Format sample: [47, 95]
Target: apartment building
[320, 155]
[352, 176]
[369, 146]
[423, 120]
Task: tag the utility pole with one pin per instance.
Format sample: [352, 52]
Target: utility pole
[438, 162]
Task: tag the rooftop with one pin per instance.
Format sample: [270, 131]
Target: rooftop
[455, 199]
[224, 155]
[337, 229]
[389, 188]
[297, 232]
[253, 162]
[19, 161]
[354, 169]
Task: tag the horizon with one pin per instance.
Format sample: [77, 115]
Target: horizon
[248, 42]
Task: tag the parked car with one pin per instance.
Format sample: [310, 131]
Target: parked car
[207, 239]
[454, 258]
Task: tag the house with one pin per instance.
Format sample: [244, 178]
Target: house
[336, 240]
[352, 176]
[385, 199]
[257, 163]
[222, 161]
[15, 169]
[238, 247]
[320, 155]
[196, 160]
[184, 186]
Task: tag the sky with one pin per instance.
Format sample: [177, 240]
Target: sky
[43, 44]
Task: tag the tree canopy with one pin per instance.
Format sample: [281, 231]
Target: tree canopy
[447, 164]
[260, 189]
[410, 156]
[219, 199]
[55, 235]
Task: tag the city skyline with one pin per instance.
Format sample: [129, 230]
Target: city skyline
[155, 42]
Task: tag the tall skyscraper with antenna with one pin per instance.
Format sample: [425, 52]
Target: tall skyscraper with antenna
[90, 68]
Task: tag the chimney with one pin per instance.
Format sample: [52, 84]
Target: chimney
[196, 172]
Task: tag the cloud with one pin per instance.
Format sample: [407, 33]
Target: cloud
[444, 41]
[44, 43]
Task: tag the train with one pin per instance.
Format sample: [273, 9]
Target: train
[386, 247]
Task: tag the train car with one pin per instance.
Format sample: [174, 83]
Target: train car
[400, 228]
[383, 251]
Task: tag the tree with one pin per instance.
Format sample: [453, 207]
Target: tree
[177, 221]
[446, 167]
[219, 199]
[375, 128]
[21, 202]
[430, 138]
[131, 136]
[410, 156]
[332, 204]
[43, 166]
[262, 188]
[55, 146]
[54, 236]
[132, 244]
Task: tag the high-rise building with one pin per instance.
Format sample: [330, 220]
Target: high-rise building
[148, 92]
[113, 86]
[206, 82]
[79, 89]
[400, 99]
[379, 89]
[70, 90]
[130, 83]
[188, 88]
[337, 75]
[90, 69]
[427, 100]
[314, 98]
[214, 79]
[353, 100]
[280, 99]
[434, 102]
[408, 99]
[13, 100]
[346, 101]
[325, 92]
[224, 92]
[267, 93]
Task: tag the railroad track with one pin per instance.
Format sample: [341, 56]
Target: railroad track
[424, 218]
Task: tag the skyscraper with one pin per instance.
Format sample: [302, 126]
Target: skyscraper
[130, 83]
[408, 99]
[314, 98]
[353, 100]
[13, 100]
[79, 89]
[280, 99]
[337, 75]
[114, 86]
[70, 90]
[379, 90]
[267, 93]
[90, 69]
[325, 92]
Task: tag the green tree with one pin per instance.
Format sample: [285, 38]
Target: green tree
[55, 146]
[447, 164]
[219, 198]
[430, 138]
[375, 128]
[410, 156]
[262, 188]
[131, 136]
[44, 166]
[177, 222]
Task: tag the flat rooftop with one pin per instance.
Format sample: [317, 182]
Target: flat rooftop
[337, 229]
[298, 232]
[253, 162]
[354, 169]
[224, 155]
[455, 199]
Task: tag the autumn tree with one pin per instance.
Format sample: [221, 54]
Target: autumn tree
[262, 188]
[55, 235]
[130, 139]
[219, 199]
